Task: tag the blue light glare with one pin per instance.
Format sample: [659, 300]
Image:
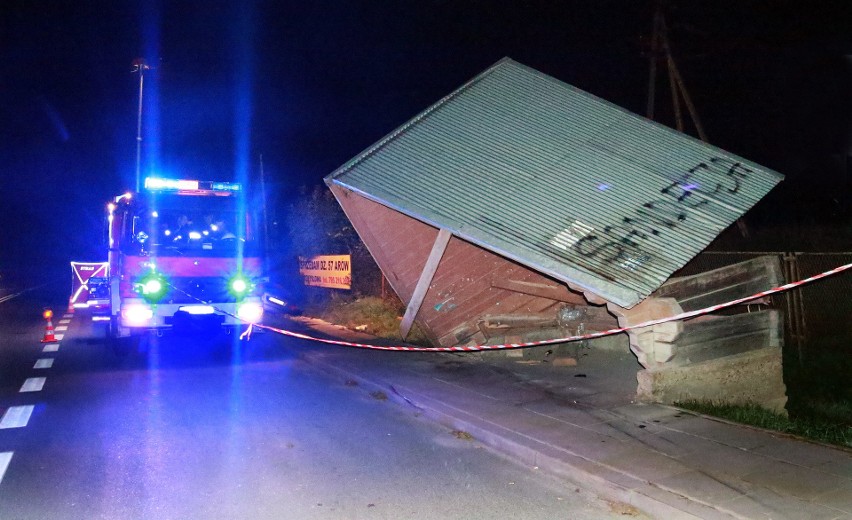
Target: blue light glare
[56, 119]
[241, 35]
[151, 21]
[603, 186]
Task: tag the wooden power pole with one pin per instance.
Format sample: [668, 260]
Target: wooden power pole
[661, 53]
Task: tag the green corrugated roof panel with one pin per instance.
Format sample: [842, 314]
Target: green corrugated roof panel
[560, 181]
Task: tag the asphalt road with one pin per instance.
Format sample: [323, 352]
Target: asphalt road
[208, 428]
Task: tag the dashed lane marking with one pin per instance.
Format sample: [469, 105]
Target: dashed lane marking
[5, 459]
[61, 328]
[44, 363]
[67, 315]
[33, 384]
[65, 321]
[16, 416]
[59, 336]
[51, 347]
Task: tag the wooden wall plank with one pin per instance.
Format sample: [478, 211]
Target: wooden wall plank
[724, 284]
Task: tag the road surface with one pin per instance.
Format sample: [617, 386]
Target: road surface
[209, 428]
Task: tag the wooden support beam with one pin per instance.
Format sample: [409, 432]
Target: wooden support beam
[425, 281]
[507, 321]
[555, 292]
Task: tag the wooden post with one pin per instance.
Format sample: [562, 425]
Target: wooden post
[425, 281]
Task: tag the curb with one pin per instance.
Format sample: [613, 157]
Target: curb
[653, 501]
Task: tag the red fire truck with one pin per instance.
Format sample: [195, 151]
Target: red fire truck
[183, 255]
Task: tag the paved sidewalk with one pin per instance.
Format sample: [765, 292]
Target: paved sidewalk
[580, 423]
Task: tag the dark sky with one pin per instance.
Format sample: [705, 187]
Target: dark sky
[309, 84]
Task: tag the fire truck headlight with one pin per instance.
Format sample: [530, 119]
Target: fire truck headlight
[250, 312]
[152, 287]
[239, 286]
[136, 314]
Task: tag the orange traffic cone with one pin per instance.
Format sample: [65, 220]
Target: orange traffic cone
[48, 331]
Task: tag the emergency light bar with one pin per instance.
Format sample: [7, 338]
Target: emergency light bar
[158, 184]
[191, 187]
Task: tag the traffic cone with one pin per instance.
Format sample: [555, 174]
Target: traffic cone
[48, 331]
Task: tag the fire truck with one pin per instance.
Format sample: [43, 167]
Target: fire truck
[183, 255]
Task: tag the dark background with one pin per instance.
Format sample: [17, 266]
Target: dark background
[308, 85]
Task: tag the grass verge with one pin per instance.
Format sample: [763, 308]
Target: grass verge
[373, 315]
[819, 397]
[809, 427]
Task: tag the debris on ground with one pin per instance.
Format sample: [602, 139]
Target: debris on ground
[462, 435]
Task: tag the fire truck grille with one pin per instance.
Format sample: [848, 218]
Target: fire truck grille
[195, 290]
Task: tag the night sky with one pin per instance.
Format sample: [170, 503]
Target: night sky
[308, 85]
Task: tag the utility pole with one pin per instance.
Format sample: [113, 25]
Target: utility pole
[139, 66]
[660, 51]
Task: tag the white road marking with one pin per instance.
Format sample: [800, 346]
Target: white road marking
[33, 384]
[16, 416]
[67, 315]
[59, 336]
[5, 459]
[44, 363]
[51, 347]
[65, 321]
[61, 328]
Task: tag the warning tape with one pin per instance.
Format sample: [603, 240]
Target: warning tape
[593, 335]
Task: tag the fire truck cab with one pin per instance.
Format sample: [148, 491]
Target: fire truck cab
[183, 254]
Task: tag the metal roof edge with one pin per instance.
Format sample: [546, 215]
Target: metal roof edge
[364, 155]
[393, 206]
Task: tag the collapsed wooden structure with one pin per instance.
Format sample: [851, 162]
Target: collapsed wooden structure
[592, 248]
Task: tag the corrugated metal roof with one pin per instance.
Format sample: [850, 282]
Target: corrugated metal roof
[560, 181]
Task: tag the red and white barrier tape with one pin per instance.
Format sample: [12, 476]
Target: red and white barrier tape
[510, 346]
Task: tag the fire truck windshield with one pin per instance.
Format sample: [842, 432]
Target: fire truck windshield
[191, 226]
